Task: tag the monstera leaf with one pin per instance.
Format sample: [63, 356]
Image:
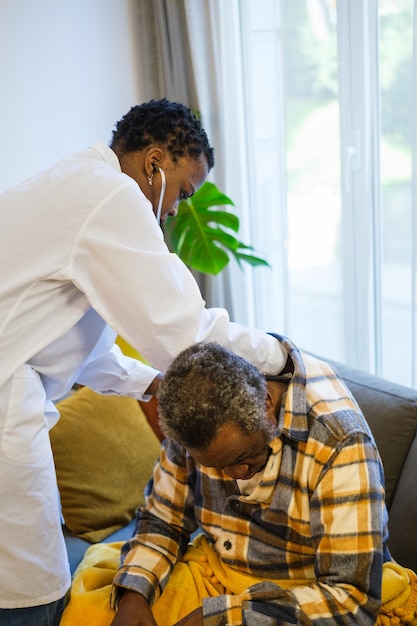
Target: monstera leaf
[204, 236]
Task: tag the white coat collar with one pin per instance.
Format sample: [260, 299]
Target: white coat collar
[108, 154]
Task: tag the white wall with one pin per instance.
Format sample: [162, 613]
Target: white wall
[67, 74]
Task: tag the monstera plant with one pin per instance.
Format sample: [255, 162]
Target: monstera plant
[204, 237]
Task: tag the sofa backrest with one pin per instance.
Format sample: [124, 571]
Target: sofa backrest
[391, 412]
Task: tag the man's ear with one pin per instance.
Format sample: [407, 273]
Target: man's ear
[274, 394]
[270, 407]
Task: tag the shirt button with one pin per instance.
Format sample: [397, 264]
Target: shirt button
[227, 544]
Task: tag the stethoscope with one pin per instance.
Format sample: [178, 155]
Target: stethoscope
[161, 195]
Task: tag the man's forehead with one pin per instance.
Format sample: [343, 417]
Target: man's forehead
[229, 447]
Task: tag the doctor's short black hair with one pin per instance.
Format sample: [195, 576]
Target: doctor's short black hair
[169, 124]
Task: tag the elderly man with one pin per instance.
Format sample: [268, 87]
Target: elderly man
[284, 478]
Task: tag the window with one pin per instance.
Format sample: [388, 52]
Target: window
[327, 188]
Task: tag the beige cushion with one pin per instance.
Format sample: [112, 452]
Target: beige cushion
[104, 452]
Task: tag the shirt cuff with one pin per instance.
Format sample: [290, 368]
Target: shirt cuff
[229, 607]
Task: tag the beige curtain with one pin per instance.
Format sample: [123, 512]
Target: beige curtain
[165, 66]
[178, 49]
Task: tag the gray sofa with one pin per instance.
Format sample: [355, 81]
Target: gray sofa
[391, 411]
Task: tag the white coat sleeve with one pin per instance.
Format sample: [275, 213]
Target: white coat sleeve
[113, 373]
[110, 372]
[146, 294]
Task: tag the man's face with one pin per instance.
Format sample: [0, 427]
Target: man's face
[237, 454]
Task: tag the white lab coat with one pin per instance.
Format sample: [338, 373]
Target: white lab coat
[81, 259]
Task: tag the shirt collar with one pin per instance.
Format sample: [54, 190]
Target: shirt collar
[292, 419]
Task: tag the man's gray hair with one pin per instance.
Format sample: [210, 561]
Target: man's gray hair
[206, 387]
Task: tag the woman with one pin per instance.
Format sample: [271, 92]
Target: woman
[82, 260]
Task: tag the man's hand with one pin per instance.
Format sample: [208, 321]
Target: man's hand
[192, 619]
[134, 611]
[150, 408]
[153, 388]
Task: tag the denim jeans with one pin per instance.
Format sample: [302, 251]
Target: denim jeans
[43, 615]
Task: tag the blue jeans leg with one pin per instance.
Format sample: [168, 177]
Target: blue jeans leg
[44, 615]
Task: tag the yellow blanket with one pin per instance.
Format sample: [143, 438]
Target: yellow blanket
[200, 574]
[399, 596]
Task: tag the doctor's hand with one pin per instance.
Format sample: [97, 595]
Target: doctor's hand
[192, 619]
[133, 610]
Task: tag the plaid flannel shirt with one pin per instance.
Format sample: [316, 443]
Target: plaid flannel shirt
[318, 514]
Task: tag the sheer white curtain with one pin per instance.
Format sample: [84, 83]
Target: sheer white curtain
[326, 162]
[311, 107]
[180, 58]
[348, 78]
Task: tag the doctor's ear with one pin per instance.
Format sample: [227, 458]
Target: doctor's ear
[155, 168]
